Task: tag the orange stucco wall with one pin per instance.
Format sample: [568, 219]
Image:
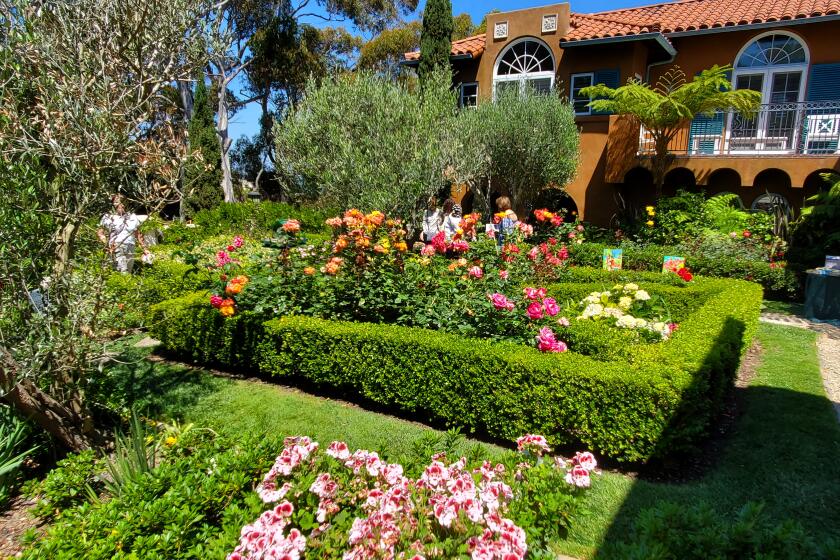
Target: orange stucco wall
[608, 144]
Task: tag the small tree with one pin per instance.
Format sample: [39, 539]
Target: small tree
[530, 141]
[203, 171]
[365, 141]
[435, 38]
[667, 107]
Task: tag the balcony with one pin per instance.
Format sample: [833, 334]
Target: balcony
[779, 129]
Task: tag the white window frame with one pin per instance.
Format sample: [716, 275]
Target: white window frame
[524, 78]
[766, 86]
[461, 95]
[591, 76]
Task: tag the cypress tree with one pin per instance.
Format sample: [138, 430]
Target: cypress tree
[203, 175]
[435, 38]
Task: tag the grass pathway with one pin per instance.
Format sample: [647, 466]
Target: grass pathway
[783, 451]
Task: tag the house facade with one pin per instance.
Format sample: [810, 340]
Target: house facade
[787, 50]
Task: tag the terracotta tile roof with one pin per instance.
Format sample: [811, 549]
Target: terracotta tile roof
[473, 46]
[671, 17]
[691, 15]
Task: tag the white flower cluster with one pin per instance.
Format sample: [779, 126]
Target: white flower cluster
[616, 304]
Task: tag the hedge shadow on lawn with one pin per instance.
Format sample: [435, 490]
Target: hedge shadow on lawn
[777, 453]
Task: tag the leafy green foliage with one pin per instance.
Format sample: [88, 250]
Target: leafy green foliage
[664, 109]
[69, 484]
[675, 532]
[134, 457]
[435, 39]
[203, 172]
[530, 140]
[817, 232]
[15, 447]
[363, 141]
[646, 405]
[193, 506]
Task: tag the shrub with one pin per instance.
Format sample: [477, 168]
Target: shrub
[67, 484]
[655, 400]
[817, 233]
[676, 532]
[258, 218]
[776, 279]
[134, 294]
[363, 141]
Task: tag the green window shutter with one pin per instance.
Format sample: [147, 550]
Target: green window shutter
[705, 135]
[609, 78]
[823, 85]
[824, 82]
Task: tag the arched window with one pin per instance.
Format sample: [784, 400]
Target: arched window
[527, 62]
[774, 64]
[772, 50]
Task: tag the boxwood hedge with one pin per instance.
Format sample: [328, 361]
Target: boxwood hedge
[651, 402]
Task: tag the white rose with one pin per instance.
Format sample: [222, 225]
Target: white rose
[625, 302]
[631, 287]
[642, 295]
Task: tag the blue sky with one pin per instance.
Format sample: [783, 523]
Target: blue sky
[245, 122]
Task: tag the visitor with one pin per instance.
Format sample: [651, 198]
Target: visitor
[118, 231]
[505, 219]
[452, 218]
[432, 220]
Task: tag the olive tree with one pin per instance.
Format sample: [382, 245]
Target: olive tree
[365, 141]
[86, 105]
[530, 141]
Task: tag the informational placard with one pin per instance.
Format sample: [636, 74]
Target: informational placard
[612, 259]
[672, 264]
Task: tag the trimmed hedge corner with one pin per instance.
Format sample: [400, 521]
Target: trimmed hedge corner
[656, 400]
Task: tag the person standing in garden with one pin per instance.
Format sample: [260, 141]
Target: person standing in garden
[451, 217]
[432, 220]
[119, 231]
[505, 219]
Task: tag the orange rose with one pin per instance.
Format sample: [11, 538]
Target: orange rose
[309, 271]
[402, 246]
[226, 310]
[233, 288]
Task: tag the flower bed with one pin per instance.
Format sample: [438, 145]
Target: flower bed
[632, 406]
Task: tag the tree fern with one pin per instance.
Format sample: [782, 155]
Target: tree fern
[723, 215]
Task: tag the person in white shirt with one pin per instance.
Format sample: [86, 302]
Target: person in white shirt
[432, 220]
[451, 219]
[120, 232]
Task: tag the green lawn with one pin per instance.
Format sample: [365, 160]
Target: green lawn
[784, 450]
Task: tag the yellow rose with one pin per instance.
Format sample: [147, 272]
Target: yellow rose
[402, 246]
[649, 209]
[649, 223]
[226, 310]
[309, 271]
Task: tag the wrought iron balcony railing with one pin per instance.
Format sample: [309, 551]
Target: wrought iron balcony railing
[806, 128]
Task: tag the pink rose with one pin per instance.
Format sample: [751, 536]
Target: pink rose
[563, 322]
[460, 246]
[533, 253]
[476, 272]
[572, 235]
[501, 302]
[428, 250]
[503, 274]
[237, 241]
[216, 301]
[530, 293]
[535, 310]
[551, 307]
[541, 293]
[580, 227]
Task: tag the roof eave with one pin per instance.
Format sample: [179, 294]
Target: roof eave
[657, 37]
[416, 61]
[750, 26]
